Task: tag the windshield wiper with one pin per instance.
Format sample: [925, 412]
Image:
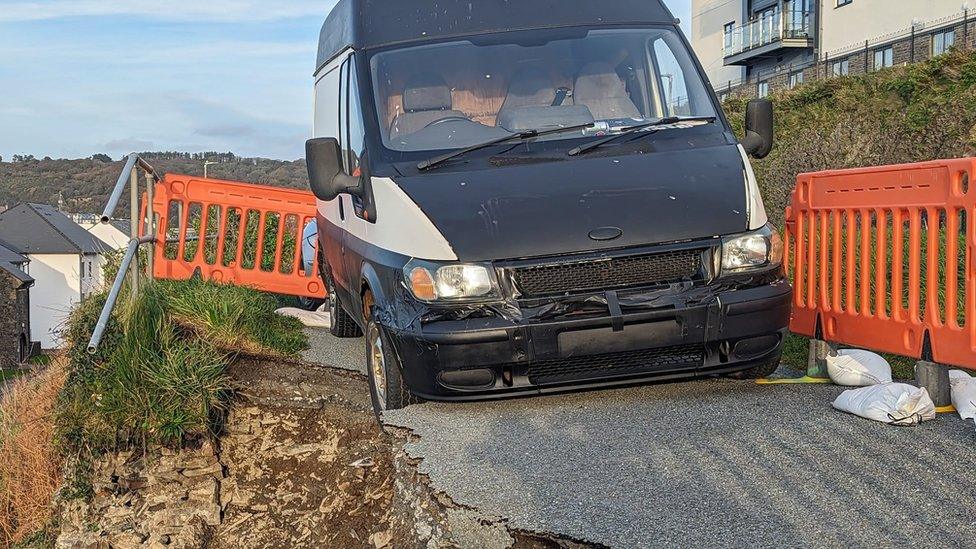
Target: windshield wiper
[630, 130]
[520, 136]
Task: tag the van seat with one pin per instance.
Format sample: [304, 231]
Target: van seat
[426, 99]
[529, 88]
[599, 88]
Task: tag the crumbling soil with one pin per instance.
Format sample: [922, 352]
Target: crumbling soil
[301, 464]
[306, 464]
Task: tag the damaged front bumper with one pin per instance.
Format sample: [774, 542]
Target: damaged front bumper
[597, 340]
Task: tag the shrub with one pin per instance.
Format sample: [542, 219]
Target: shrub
[30, 465]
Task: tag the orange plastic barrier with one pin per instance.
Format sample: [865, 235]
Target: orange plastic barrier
[235, 233]
[883, 259]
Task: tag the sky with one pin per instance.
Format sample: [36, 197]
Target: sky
[79, 77]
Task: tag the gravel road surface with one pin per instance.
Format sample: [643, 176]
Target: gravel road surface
[705, 463]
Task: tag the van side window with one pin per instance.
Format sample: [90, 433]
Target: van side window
[671, 81]
[356, 131]
[351, 127]
[327, 105]
[343, 109]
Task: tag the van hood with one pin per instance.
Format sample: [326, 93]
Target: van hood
[552, 208]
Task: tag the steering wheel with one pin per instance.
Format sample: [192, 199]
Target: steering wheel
[447, 119]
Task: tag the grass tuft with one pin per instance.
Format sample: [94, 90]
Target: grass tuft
[159, 375]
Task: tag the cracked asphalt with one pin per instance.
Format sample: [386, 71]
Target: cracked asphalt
[712, 463]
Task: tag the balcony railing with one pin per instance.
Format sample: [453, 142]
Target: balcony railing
[772, 26]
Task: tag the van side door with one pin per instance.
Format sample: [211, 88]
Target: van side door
[328, 123]
[353, 143]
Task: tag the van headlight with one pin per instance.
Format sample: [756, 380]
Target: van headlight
[758, 250]
[432, 282]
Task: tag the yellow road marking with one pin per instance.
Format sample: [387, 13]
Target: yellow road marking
[805, 380]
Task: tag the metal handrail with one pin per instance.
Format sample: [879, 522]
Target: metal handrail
[131, 254]
[783, 24]
[130, 261]
[132, 161]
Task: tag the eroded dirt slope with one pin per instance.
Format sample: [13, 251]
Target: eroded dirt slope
[306, 465]
[302, 464]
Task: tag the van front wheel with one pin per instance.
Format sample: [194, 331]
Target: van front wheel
[386, 386]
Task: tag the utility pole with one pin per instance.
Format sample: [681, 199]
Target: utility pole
[206, 164]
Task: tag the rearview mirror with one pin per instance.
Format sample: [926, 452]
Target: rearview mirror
[323, 157]
[758, 141]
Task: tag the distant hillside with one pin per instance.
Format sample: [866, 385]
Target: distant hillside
[87, 183]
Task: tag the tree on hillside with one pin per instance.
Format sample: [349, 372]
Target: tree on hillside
[101, 158]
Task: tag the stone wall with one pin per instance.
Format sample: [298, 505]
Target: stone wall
[14, 319]
[162, 498]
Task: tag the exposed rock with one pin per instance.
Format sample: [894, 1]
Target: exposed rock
[143, 500]
[301, 464]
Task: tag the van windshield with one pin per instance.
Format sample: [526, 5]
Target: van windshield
[457, 94]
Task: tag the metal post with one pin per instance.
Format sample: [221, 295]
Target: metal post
[935, 378]
[965, 27]
[113, 200]
[113, 294]
[866, 48]
[150, 221]
[911, 55]
[134, 227]
[817, 359]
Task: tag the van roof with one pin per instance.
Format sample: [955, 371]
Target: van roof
[362, 24]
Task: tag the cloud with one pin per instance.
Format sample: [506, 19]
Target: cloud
[226, 131]
[129, 144]
[173, 10]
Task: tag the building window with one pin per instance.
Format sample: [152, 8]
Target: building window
[763, 89]
[843, 2]
[796, 78]
[840, 68]
[942, 41]
[884, 58]
[729, 33]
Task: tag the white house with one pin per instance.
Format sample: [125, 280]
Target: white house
[114, 233]
[66, 263]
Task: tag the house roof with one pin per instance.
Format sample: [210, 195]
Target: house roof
[9, 254]
[42, 229]
[123, 225]
[11, 263]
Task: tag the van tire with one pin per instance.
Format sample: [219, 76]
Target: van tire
[342, 324]
[761, 370]
[397, 394]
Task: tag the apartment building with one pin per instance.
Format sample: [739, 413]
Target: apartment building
[752, 47]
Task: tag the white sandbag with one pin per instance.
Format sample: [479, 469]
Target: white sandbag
[892, 403]
[858, 368]
[963, 389]
[312, 319]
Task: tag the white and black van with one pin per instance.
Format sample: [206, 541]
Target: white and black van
[519, 197]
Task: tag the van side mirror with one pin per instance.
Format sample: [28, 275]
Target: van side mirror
[758, 141]
[323, 157]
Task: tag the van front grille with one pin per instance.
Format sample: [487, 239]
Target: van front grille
[609, 273]
[644, 361]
